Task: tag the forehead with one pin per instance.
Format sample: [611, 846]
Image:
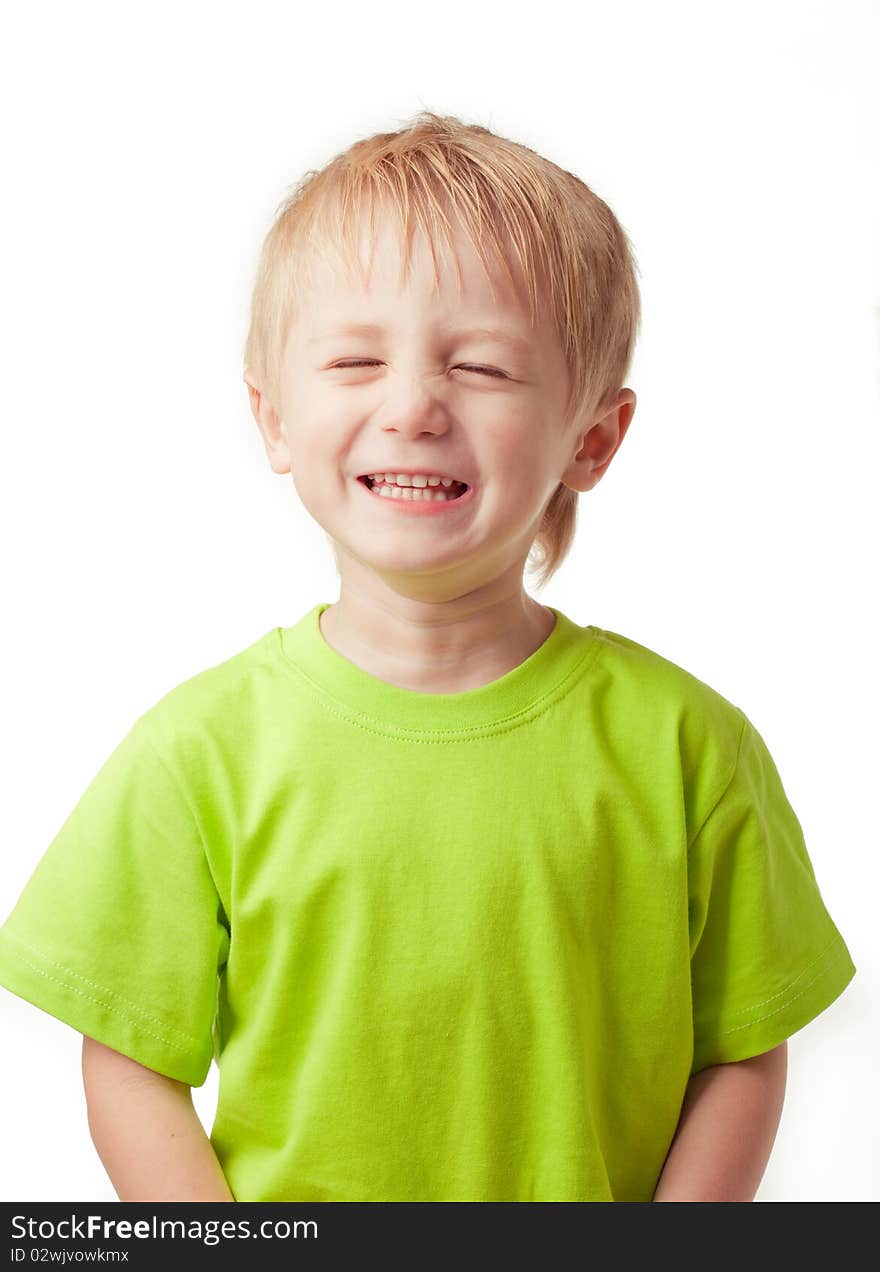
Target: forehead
[349, 284]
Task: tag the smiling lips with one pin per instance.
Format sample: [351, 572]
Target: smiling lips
[429, 493]
[420, 488]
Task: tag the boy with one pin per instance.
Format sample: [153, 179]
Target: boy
[468, 902]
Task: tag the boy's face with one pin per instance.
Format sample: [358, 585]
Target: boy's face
[424, 398]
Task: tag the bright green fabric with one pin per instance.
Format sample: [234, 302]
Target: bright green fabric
[456, 935]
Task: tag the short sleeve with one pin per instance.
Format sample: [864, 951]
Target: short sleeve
[766, 957]
[120, 931]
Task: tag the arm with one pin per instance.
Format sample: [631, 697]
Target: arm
[729, 1118]
[147, 1132]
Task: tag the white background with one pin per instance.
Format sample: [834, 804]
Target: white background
[145, 150]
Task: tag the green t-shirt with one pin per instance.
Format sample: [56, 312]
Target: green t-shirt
[443, 947]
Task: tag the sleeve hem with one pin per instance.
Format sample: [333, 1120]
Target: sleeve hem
[773, 1021]
[98, 1013]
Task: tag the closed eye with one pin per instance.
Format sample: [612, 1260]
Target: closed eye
[364, 362]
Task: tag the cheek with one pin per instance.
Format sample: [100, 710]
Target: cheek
[318, 446]
[508, 449]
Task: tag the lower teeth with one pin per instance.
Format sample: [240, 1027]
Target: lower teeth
[425, 494]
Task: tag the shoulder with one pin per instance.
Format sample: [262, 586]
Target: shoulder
[661, 682]
[664, 709]
[213, 706]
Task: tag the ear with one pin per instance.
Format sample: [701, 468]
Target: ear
[271, 426]
[599, 443]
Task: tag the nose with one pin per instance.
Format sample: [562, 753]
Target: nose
[412, 409]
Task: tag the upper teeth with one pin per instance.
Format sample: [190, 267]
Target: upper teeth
[414, 479]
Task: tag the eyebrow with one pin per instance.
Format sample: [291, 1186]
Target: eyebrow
[509, 338]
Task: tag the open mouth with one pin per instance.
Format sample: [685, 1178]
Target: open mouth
[438, 493]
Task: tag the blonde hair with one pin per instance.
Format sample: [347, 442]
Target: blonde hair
[503, 193]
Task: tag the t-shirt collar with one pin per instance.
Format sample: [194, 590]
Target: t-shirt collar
[505, 702]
